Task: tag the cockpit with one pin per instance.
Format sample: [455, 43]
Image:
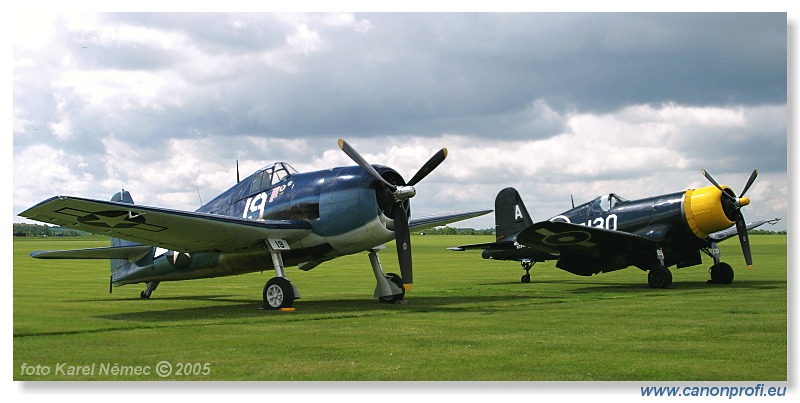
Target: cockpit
[271, 175]
[607, 202]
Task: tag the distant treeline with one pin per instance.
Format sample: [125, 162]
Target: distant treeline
[765, 232]
[457, 231]
[21, 230]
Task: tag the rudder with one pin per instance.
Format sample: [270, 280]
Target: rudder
[124, 197]
[510, 214]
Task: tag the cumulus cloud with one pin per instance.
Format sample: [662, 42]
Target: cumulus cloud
[558, 105]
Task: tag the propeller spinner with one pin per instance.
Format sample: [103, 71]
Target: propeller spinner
[400, 194]
[732, 206]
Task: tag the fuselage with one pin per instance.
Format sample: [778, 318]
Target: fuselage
[346, 209]
[692, 214]
[679, 223]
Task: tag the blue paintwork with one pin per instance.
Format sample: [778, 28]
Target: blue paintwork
[335, 201]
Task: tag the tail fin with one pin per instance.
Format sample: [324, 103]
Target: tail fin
[510, 214]
[123, 197]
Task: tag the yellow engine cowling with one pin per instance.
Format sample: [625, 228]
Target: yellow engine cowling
[704, 211]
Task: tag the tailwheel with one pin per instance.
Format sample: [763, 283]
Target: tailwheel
[148, 291]
[278, 293]
[721, 273]
[526, 265]
[659, 277]
[393, 299]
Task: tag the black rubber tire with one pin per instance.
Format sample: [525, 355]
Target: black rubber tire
[659, 277]
[278, 293]
[393, 299]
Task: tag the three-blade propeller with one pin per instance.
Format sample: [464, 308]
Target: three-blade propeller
[732, 206]
[400, 194]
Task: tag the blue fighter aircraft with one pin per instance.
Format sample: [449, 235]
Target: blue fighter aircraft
[275, 218]
[611, 233]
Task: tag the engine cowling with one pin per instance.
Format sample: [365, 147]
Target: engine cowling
[705, 212]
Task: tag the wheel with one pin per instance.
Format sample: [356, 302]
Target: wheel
[721, 274]
[278, 293]
[659, 277]
[144, 295]
[398, 281]
[526, 278]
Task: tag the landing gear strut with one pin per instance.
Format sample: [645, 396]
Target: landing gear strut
[389, 288]
[526, 265]
[721, 273]
[659, 276]
[279, 292]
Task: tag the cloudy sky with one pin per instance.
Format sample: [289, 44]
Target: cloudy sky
[556, 104]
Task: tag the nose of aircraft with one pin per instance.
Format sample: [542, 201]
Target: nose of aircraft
[401, 193]
[737, 203]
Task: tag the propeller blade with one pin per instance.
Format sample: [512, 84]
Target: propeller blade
[402, 237]
[749, 182]
[358, 159]
[429, 166]
[713, 182]
[741, 230]
[709, 178]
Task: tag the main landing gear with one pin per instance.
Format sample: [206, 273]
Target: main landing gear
[389, 288]
[659, 276]
[721, 272]
[279, 292]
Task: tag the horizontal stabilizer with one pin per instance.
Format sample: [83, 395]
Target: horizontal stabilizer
[110, 252]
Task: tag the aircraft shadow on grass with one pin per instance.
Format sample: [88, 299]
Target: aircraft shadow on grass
[311, 310]
[609, 287]
[233, 307]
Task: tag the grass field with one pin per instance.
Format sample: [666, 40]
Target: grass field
[466, 319]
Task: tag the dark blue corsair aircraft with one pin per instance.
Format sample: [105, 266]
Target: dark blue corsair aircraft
[611, 233]
[275, 218]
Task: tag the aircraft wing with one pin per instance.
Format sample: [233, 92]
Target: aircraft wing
[502, 245]
[183, 231]
[561, 237]
[731, 232]
[422, 223]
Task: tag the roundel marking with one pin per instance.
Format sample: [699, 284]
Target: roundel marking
[566, 238]
[112, 219]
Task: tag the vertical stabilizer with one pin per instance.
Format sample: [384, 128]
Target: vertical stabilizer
[124, 197]
[510, 214]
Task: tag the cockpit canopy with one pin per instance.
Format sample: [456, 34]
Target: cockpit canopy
[270, 175]
[607, 202]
